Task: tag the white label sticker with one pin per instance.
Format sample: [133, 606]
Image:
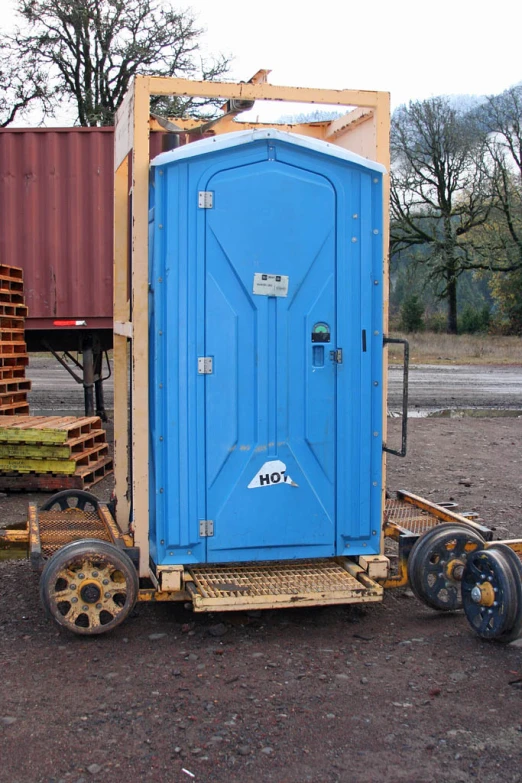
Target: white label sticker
[271, 473]
[270, 285]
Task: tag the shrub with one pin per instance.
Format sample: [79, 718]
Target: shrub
[474, 320]
[412, 314]
[438, 323]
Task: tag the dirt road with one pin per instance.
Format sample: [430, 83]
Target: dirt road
[435, 387]
[432, 387]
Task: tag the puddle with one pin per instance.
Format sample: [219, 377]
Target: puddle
[477, 413]
[459, 413]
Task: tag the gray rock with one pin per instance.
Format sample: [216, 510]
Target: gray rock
[155, 636]
[219, 629]
[93, 769]
[267, 751]
[7, 720]
[243, 750]
[458, 676]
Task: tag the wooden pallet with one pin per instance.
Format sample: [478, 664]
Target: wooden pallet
[46, 429]
[13, 349]
[12, 335]
[16, 310]
[12, 323]
[60, 466]
[85, 443]
[11, 297]
[14, 409]
[8, 399]
[48, 482]
[11, 272]
[12, 373]
[14, 360]
[10, 284]
[14, 386]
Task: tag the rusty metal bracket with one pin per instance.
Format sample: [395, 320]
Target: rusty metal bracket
[444, 514]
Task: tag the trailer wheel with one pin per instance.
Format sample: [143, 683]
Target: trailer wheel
[436, 564]
[492, 593]
[89, 587]
[71, 498]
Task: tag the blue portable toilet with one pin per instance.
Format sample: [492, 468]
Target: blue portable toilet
[266, 264]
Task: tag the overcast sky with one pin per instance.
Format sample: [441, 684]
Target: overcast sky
[411, 48]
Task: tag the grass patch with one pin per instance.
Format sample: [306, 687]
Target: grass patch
[433, 348]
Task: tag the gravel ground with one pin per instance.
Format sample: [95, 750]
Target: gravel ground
[391, 692]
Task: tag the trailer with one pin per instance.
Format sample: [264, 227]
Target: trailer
[250, 367]
[56, 223]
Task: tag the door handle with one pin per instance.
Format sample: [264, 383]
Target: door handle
[406, 345]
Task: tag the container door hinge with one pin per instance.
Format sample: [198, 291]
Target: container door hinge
[205, 199]
[204, 365]
[337, 356]
[206, 528]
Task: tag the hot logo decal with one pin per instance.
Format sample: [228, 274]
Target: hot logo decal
[270, 474]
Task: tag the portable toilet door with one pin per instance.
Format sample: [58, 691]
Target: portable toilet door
[266, 351]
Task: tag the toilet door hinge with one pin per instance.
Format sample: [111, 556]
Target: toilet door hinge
[205, 199]
[205, 365]
[337, 356]
[206, 528]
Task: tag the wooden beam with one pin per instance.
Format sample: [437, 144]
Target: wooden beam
[120, 349]
[383, 156]
[261, 92]
[140, 322]
[347, 122]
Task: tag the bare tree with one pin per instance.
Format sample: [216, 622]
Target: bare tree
[91, 49]
[500, 247]
[502, 117]
[22, 85]
[438, 190]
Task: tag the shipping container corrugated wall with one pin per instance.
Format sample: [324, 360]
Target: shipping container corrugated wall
[56, 221]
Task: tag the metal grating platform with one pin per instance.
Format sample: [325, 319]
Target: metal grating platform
[410, 517]
[58, 528]
[275, 585]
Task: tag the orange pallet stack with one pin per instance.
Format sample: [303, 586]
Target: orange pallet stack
[13, 350]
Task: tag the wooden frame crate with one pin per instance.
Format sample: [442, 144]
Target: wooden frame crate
[364, 129]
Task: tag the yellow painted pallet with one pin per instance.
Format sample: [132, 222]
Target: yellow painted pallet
[65, 466]
[46, 429]
[51, 451]
[49, 482]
